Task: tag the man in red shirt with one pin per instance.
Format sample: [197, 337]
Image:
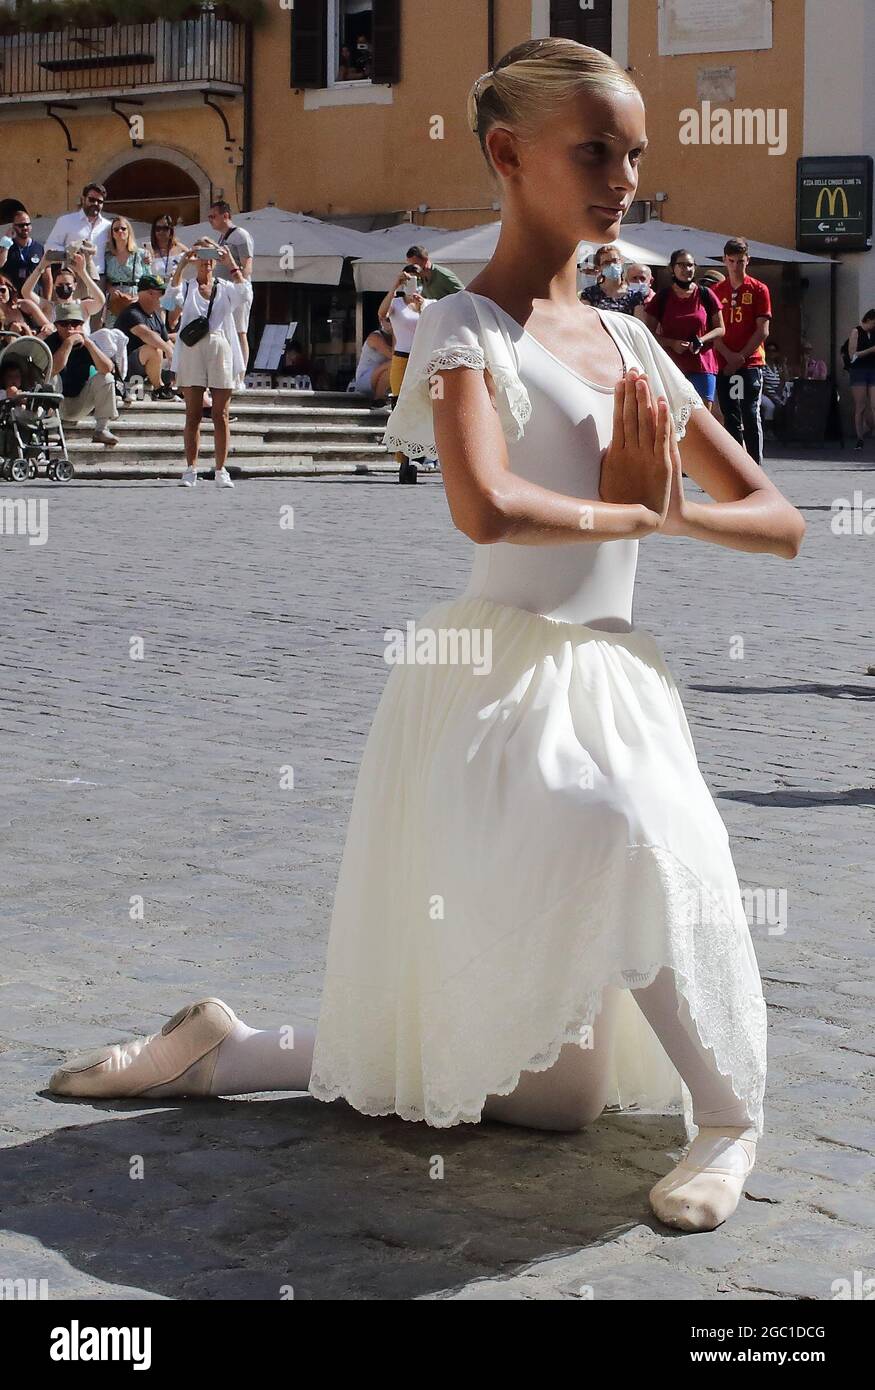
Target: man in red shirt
[747, 309]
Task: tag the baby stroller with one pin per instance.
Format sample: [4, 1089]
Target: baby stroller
[31, 432]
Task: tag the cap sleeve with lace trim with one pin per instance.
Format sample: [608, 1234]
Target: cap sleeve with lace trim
[456, 331]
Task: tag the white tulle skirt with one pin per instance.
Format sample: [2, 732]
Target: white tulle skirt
[526, 830]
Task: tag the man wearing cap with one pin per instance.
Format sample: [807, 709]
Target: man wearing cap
[85, 372]
[150, 346]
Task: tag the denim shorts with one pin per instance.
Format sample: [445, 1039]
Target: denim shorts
[705, 383]
[862, 376]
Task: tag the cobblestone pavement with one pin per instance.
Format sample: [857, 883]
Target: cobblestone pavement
[161, 777]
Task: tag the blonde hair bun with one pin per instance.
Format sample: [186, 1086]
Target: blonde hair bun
[532, 81]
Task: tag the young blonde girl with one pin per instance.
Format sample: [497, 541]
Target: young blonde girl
[537, 912]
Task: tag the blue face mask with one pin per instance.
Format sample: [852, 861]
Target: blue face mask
[167, 300]
[612, 271]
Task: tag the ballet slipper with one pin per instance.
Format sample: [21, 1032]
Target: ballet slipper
[180, 1060]
[699, 1196]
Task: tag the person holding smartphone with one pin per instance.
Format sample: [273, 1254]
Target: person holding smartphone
[400, 312]
[215, 360]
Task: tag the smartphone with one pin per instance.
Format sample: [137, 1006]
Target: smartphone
[206, 253]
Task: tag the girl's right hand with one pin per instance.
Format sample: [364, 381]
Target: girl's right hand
[637, 464]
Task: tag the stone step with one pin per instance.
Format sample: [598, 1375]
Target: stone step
[110, 467]
[277, 397]
[159, 450]
[242, 406]
[253, 427]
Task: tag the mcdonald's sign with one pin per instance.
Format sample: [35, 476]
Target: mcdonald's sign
[834, 203]
[829, 197]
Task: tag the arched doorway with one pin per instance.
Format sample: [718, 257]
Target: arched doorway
[145, 188]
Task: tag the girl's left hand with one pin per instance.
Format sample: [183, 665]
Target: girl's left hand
[675, 523]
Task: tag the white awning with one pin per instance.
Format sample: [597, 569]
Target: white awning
[316, 249]
[706, 246]
[468, 252]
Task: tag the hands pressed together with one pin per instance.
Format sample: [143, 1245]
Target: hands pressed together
[642, 463]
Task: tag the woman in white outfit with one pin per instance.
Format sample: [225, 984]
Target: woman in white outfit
[537, 912]
[401, 310]
[216, 360]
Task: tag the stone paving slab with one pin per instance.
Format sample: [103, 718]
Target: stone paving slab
[160, 777]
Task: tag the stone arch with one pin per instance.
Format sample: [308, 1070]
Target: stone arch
[150, 175]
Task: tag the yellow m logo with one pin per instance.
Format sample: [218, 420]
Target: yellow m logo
[832, 196]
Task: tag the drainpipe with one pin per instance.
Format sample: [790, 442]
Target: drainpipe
[247, 118]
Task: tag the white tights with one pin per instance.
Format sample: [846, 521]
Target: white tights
[571, 1094]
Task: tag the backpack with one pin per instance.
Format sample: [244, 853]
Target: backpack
[707, 298]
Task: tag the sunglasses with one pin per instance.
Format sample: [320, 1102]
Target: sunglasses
[19, 225]
[70, 323]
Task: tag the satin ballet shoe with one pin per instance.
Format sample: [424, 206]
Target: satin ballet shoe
[699, 1196]
[180, 1060]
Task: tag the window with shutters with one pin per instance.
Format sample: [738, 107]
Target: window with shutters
[345, 43]
[591, 24]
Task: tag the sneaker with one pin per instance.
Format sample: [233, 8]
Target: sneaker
[189, 477]
[223, 478]
[104, 436]
[859, 444]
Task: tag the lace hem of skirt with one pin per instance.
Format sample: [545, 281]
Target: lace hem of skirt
[751, 1025]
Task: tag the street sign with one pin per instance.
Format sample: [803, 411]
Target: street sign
[834, 203]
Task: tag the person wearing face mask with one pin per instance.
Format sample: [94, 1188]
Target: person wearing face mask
[611, 289]
[688, 319]
[640, 277]
[71, 282]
